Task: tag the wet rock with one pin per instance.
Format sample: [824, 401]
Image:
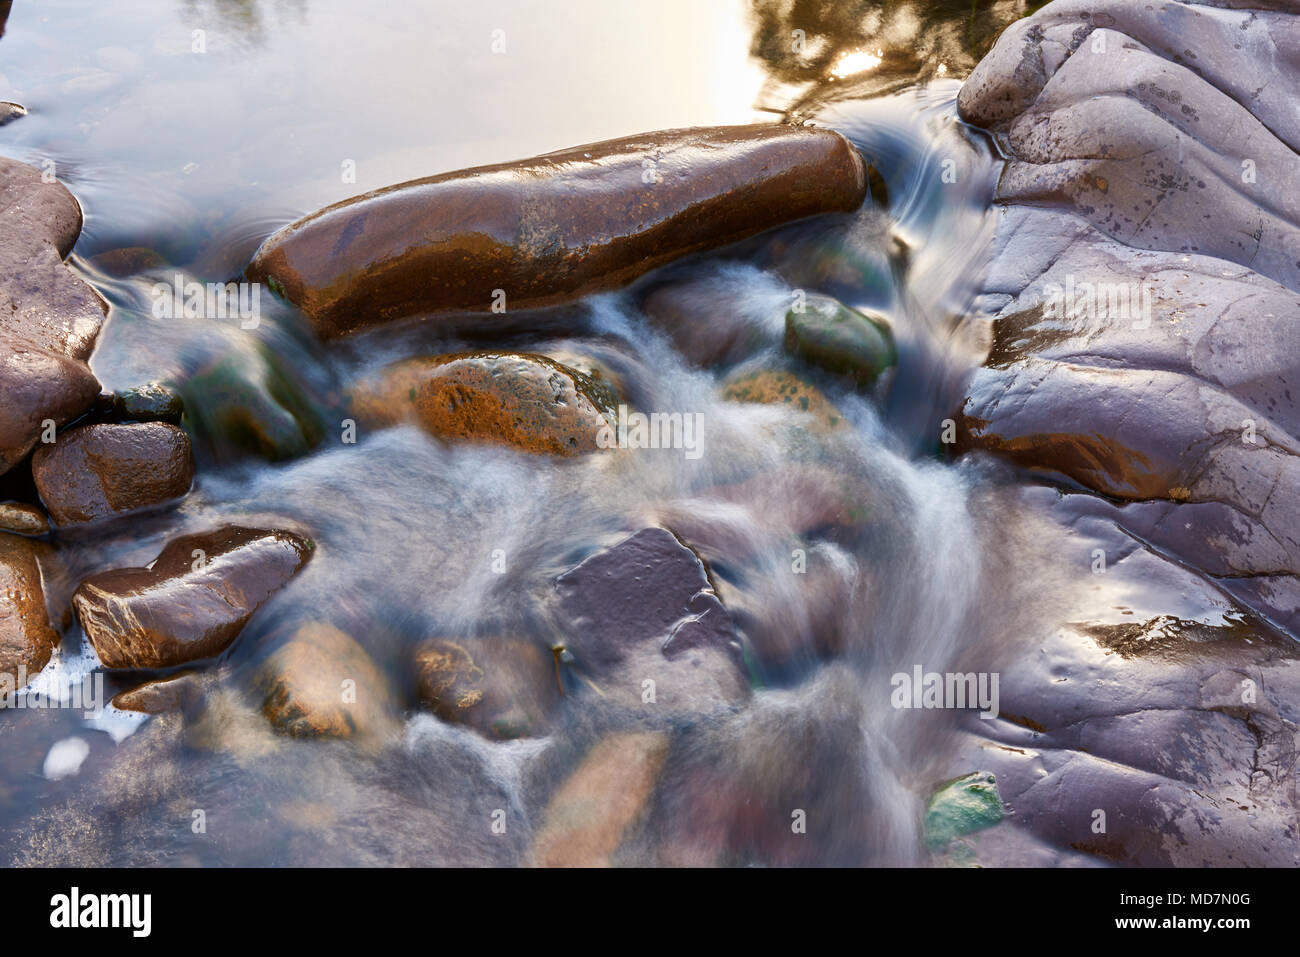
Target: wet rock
[26, 638]
[502, 687]
[777, 387]
[321, 683]
[1156, 375]
[249, 402]
[129, 261]
[526, 401]
[601, 802]
[643, 622]
[154, 402]
[173, 693]
[10, 112]
[23, 519]
[841, 340]
[42, 391]
[51, 316]
[1106, 115]
[960, 807]
[192, 602]
[555, 227]
[96, 471]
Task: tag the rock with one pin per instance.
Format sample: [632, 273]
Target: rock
[154, 402]
[51, 317]
[249, 402]
[321, 683]
[601, 802]
[1105, 114]
[834, 337]
[645, 611]
[526, 401]
[10, 112]
[23, 519]
[777, 387]
[96, 471]
[968, 804]
[129, 261]
[1156, 375]
[26, 638]
[42, 390]
[173, 693]
[192, 602]
[556, 227]
[502, 687]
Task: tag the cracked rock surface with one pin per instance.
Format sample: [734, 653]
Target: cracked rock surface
[1143, 360]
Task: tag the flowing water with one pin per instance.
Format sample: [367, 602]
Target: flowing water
[196, 157]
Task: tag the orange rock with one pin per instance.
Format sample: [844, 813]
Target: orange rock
[526, 401]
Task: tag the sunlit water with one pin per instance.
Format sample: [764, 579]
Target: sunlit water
[198, 156]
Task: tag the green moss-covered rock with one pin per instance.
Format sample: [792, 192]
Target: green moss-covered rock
[969, 803]
[826, 333]
[244, 403]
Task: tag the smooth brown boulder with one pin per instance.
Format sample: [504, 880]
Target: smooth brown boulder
[555, 227]
[26, 638]
[193, 601]
[51, 318]
[502, 687]
[96, 471]
[529, 402]
[321, 683]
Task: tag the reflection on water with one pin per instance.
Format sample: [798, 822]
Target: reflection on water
[820, 50]
[188, 159]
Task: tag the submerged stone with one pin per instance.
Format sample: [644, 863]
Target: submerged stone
[502, 687]
[244, 403]
[828, 334]
[777, 387]
[556, 227]
[322, 683]
[645, 610]
[969, 803]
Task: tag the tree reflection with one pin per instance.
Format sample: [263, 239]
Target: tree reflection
[815, 50]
